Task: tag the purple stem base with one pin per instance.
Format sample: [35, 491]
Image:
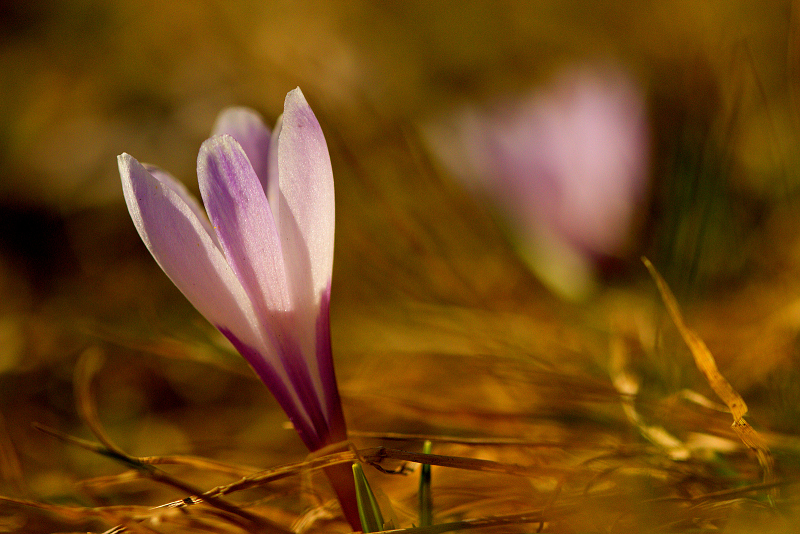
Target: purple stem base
[341, 478]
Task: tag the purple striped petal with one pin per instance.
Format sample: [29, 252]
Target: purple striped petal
[324, 356]
[286, 393]
[247, 127]
[304, 377]
[179, 240]
[240, 214]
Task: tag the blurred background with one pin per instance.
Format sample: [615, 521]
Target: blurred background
[481, 288]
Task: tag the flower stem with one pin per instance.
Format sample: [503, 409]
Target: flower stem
[343, 482]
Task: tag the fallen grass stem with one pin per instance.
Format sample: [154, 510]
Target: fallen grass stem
[251, 521]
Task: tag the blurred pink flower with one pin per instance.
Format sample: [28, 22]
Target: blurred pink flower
[259, 266]
[567, 166]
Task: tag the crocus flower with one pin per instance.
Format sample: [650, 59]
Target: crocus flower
[258, 267]
[566, 165]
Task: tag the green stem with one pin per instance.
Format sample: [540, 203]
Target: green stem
[425, 497]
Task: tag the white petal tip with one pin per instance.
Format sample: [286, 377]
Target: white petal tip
[295, 98]
[217, 142]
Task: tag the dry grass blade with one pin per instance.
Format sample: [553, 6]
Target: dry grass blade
[727, 494]
[200, 463]
[71, 513]
[247, 520]
[702, 356]
[462, 440]
[708, 366]
[376, 455]
[533, 516]
[270, 475]
[93, 447]
[89, 363]
[195, 462]
[129, 516]
[103, 482]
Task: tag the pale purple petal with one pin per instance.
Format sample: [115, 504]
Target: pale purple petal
[181, 244]
[291, 329]
[306, 227]
[247, 127]
[240, 214]
[191, 202]
[306, 217]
